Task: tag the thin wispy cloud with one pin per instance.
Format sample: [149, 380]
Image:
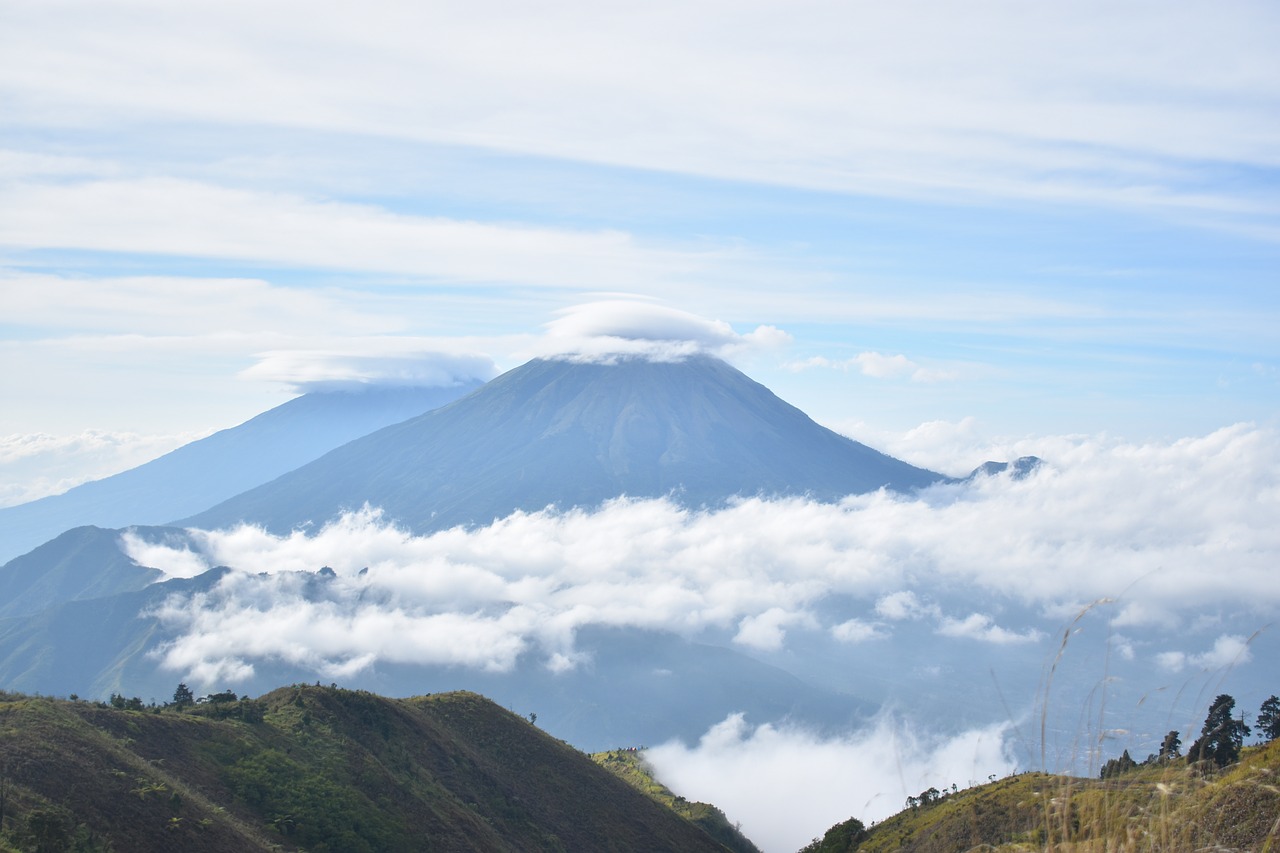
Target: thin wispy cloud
[175, 217]
[36, 465]
[389, 362]
[816, 94]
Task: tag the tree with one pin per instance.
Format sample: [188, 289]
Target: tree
[1116, 766]
[183, 697]
[1222, 735]
[1269, 719]
[841, 838]
[1170, 748]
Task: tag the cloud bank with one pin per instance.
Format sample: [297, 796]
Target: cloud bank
[1176, 533]
[612, 329]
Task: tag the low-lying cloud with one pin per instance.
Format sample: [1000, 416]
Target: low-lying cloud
[1176, 533]
[867, 774]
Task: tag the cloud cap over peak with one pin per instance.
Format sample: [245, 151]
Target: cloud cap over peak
[307, 371]
[608, 329]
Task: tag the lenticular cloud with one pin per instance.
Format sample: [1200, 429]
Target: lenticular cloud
[1178, 533]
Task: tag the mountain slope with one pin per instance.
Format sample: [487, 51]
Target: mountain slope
[1165, 806]
[318, 769]
[570, 434]
[200, 474]
[82, 563]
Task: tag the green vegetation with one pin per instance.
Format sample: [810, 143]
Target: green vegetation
[309, 767]
[841, 838]
[1224, 796]
[630, 766]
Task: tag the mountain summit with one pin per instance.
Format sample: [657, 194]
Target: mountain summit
[572, 434]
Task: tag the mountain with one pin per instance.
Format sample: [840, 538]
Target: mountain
[204, 472]
[312, 768]
[570, 434]
[1019, 469]
[83, 563]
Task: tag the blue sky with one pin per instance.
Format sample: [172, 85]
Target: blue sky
[1015, 219]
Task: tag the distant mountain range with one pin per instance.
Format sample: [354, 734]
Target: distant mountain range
[204, 472]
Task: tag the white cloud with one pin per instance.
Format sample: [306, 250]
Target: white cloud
[865, 774]
[857, 631]
[1186, 527]
[608, 329]
[878, 366]
[382, 363]
[767, 631]
[179, 561]
[981, 627]
[904, 604]
[36, 465]
[1229, 650]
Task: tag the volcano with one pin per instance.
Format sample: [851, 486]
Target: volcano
[199, 474]
[571, 434]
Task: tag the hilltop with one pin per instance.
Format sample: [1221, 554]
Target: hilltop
[1170, 806]
[314, 768]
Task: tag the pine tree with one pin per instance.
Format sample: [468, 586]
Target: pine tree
[182, 697]
[1222, 735]
[1117, 766]
[1170, 748]
[1269, 719]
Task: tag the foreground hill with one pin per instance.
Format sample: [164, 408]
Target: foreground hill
[312, 768]
[1164, 807]
[573, 434]
[204, 472]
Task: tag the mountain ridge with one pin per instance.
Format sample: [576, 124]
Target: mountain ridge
[315, 768]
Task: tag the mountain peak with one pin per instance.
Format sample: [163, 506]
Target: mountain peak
[573, 433]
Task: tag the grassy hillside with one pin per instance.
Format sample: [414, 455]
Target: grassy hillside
[630, 766]
[312, 768]
[1170, 807]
